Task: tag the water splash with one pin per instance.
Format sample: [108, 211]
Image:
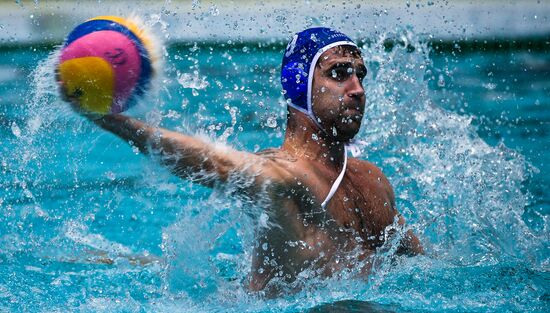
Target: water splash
[462, 196]
[192, 81]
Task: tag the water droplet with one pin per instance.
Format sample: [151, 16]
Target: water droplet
[214, 11]
[184, 103]
[193, 81]
[441, 81]
[15, 130]
[264, 246]
[110, 175]
[271, 122]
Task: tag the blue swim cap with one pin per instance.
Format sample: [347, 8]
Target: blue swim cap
[299, 61]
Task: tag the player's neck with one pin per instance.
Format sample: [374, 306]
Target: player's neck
[305, 140]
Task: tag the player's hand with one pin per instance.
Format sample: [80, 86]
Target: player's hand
[73, 101]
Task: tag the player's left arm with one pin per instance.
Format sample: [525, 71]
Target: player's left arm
[410, 244]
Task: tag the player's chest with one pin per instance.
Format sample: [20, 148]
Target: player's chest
[361, 204]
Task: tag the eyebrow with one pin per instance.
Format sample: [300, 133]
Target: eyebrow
[340, 64]
[345, 64]
[338, 60]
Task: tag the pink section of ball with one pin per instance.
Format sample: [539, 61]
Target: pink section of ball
[119, 51]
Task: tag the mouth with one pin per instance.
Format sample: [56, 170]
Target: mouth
[352, 115]
[351, 119]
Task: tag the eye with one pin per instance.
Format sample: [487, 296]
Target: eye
[361, 73]
[340, 73]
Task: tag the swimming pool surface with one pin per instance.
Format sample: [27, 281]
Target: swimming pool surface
[462, 136]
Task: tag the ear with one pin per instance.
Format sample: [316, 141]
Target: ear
[294, 81]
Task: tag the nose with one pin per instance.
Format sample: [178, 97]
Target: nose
[356, 89]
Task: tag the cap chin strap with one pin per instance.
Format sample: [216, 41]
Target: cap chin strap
[338, 180]
[309, 112]
[354, 147]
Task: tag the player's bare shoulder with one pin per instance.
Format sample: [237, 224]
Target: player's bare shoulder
[282, 173]
[277, 165]
[371, 174]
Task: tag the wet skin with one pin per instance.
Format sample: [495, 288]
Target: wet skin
[296, 178]
[354, 223]
[338, 96]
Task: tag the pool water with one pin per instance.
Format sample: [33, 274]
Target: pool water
[462, 136]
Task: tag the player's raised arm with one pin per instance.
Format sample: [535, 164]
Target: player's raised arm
[187, 156]
[108, 62]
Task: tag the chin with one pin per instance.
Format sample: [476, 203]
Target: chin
[347, 132]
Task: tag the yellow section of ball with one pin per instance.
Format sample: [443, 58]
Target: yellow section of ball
[89, 80]
[134, 28]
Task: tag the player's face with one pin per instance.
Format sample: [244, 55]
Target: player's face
[338, 96]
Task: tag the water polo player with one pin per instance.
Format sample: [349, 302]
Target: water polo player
[329, 212]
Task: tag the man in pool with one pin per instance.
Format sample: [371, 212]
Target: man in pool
[328, 213]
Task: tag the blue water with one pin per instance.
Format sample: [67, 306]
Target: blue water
[463, 137]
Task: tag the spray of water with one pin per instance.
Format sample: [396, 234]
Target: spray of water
[462, 197]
